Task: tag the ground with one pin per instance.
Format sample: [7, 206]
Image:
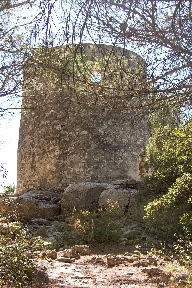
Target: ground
[93, 270]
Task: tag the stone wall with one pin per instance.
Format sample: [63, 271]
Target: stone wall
[78, 121]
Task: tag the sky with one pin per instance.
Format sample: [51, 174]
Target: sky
[9, 134]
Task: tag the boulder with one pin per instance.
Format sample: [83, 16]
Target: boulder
[122, 196]
[7, 204]
[40, 277]
[135, 210]
[127, 183]
[131, 234]
[81, 249]
[38, 204]
[82, 196]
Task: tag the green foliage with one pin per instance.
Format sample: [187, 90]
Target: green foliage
[169, 155]
[184, 243]
[10, 189]
[170, 185]
[97, 227]
[17, 249]
[163, 214]
[17, 254]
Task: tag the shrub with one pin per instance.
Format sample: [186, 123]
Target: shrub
[170, 156]
[8, 190]
[97, 227]
[17, 254]
[17, 249]
[184, 241]
[163, 214]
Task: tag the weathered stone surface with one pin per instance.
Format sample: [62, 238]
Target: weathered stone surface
[113, 260]
[81, 249]
[49, 253]
[153, 271]
[39, 221]
[38, 204]
[66, 260]
[127, 183]
[82, 132]
[141, 263]
[182, 276]
[41, 276]
[152, 260]
[83, 195]
[67, 253]
[122, 196]
[42, 231]
[130, 259]
[131, 234]
[7, 204]
[135, 211]
[6, 228]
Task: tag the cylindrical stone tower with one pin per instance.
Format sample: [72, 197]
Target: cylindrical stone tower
[78, 121]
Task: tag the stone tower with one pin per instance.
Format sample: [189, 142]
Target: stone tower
[79, 122]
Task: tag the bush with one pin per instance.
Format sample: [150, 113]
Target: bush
[8, 190]
[184, 241]
[170, 158]
[97, 227]
[17, 254]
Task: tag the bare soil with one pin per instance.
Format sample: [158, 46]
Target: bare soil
[93, 271]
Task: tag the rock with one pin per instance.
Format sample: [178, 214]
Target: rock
[7, 228]
[113, 260]
[7, 204]
[182, 276]
[128, 254]
[81, 249]
[82, 196]
[130, 259]
[137, 252]
[182, 283]
[100, 261]
[97, 260]
[165, 277]
[131, 234]
[38, 204]
[41, 276]
[162, 278]
[42, 231]
[67, 253]
[129, 203]
[74, 252]
[50, 254]
[122, 196]
[66, 260]
[152, 260]
[135, 210]
[127, 183]
[39, 221]
[153, 271]
[141, 263]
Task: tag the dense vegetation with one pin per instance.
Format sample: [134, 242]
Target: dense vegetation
[169, 215]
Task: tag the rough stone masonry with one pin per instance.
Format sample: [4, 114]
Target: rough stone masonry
[79, 122]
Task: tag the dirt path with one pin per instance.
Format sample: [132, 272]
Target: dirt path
[108, 270]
